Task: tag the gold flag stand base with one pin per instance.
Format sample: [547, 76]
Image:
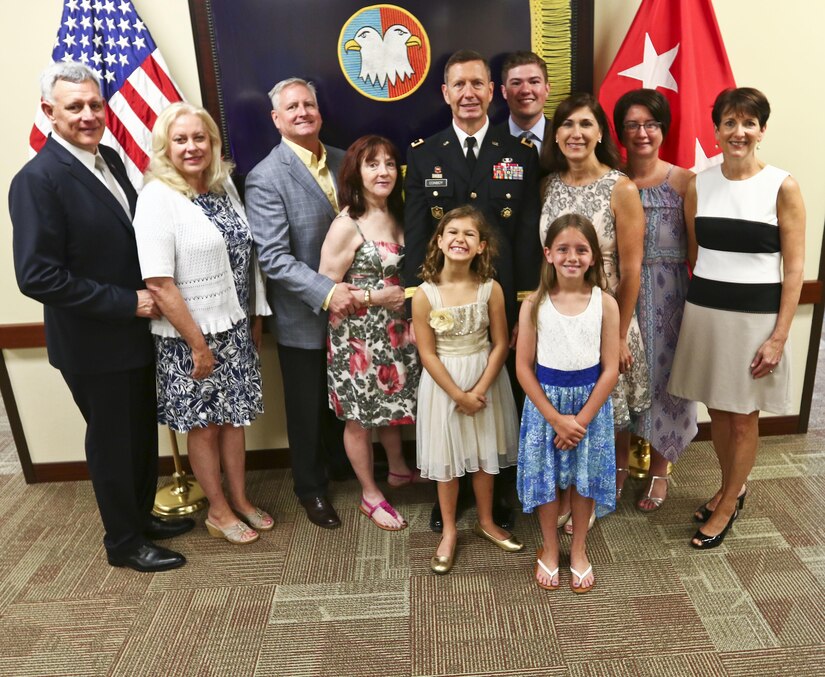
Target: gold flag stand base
[638, 462]
[184, 496]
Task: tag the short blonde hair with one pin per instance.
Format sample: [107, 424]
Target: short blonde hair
[161, 167]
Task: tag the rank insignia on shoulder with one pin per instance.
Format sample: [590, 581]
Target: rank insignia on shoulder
[526, 142]
[417, 143]
[437, 212]
[506, 213]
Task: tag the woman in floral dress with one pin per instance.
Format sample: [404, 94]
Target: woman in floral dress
[372, 363]
[198, 261]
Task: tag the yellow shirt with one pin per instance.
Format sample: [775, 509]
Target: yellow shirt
[320, 172]
[318, 168]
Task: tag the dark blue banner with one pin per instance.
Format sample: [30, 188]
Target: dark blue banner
[378, 68]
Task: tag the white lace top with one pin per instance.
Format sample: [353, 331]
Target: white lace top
[570, 342]
[176, 239]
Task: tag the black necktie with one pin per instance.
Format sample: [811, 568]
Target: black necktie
[471, 156]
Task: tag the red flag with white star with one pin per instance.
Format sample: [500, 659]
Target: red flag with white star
[675, 46]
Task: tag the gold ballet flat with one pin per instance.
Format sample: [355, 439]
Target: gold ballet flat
[441, 564]
[510, 544]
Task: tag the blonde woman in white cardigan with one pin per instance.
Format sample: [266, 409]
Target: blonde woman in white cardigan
[198, 261]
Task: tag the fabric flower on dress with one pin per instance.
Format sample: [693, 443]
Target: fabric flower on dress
[441, 320]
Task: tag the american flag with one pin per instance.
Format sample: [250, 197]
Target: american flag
[112, 40]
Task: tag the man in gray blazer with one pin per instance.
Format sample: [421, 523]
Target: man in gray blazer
[291, 199]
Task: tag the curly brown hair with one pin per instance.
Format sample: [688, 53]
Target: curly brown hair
[481, 265]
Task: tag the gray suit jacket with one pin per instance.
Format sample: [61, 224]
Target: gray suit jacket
[289, 216]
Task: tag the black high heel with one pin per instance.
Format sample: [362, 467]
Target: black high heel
[706, 512]
[707, 542]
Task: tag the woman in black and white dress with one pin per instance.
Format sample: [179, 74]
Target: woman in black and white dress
[746, 241]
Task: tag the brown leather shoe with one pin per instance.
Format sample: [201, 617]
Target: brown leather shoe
[320, 512]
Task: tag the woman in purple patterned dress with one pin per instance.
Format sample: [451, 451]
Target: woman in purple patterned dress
[372, 368]
[642, 118]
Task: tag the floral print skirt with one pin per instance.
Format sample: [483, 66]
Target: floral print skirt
[230, 394]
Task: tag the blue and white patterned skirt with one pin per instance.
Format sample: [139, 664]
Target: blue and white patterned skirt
[590, 466]
[230, 394]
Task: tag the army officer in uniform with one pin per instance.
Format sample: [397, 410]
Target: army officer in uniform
[473, 163]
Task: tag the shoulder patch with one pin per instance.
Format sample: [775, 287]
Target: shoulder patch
[526, 142]
[417, 143]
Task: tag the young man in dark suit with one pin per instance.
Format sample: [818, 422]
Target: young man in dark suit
[525, 88]
[74, 251]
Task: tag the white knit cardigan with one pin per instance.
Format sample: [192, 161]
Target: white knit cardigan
[176, 239]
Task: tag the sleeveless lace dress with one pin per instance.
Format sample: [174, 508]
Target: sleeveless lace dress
[449, 443]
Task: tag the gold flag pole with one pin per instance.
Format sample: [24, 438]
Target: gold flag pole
[639, 459]
[184, 496]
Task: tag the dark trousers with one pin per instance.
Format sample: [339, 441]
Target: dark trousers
[316, 436]
[120, 410]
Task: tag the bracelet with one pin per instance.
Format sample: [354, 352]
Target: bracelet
[367, 299]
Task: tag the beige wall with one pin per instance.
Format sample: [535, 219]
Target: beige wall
[775, 51]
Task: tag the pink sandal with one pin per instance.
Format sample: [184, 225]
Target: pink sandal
[387, 508]
[412, 477]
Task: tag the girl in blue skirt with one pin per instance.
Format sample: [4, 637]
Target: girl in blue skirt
[567, 362]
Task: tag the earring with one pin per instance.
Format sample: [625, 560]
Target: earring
[600, 140]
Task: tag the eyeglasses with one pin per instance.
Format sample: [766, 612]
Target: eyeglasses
[650, 126]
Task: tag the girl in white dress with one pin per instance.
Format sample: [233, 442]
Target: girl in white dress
[568, 363]
[466, 421]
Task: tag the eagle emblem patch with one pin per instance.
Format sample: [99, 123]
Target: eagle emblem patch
[384, 52]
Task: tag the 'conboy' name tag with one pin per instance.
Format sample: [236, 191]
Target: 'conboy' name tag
[508, 170]
[435, 183]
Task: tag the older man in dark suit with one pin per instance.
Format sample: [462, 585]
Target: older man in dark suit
[74, 251]
[291, 199]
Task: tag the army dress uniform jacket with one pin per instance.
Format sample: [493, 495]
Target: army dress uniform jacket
[504, 186]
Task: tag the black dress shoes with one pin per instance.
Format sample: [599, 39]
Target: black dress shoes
[706, 542]
[150, 558]
[157, 529]
[320, 512]
[436, 523]
[503, 515]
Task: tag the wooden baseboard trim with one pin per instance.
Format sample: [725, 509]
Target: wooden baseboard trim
[269, 459]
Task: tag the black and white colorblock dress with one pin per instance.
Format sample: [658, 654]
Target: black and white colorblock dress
[733, 298]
